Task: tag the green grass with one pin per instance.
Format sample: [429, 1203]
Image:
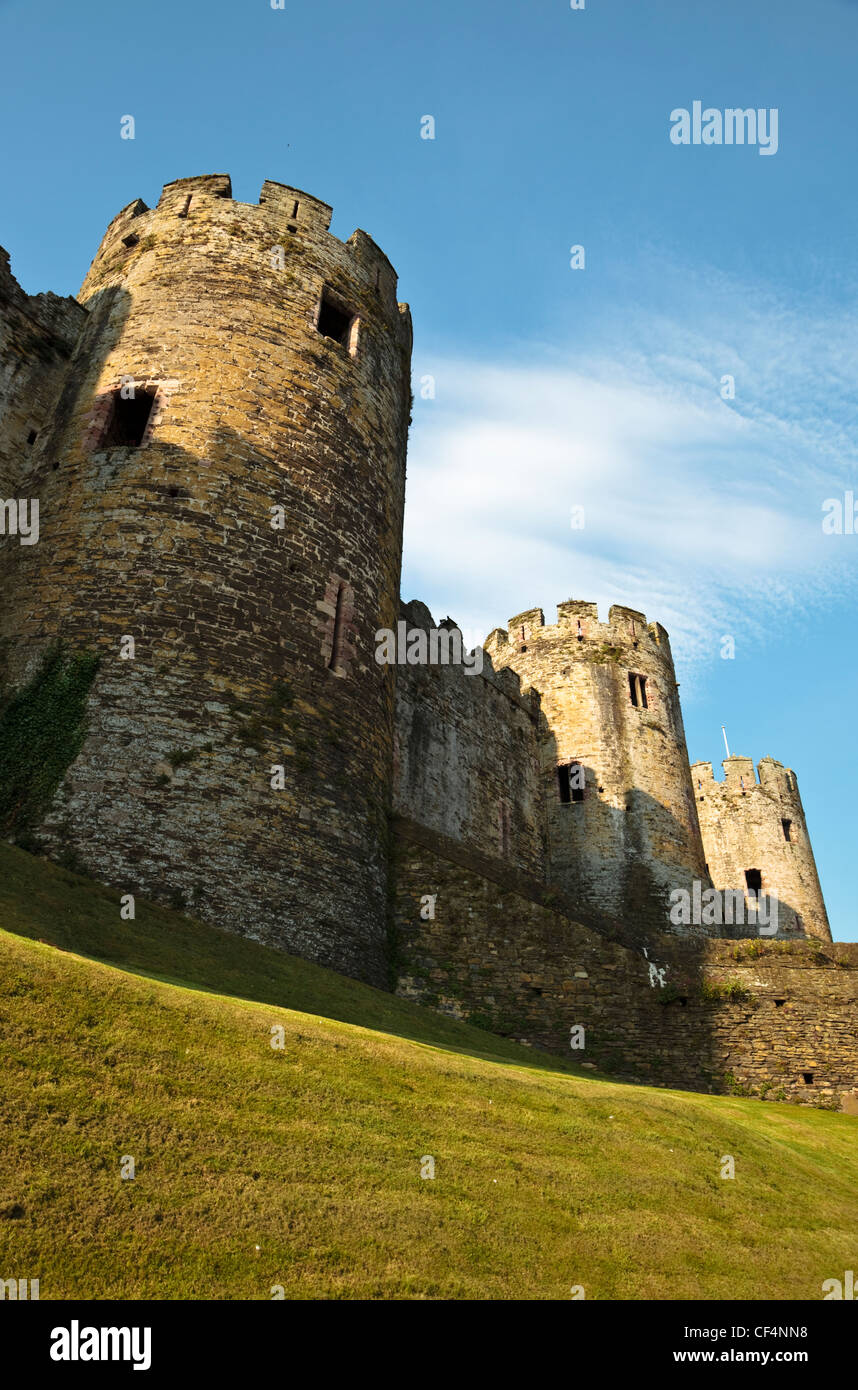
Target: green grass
[545, 1177]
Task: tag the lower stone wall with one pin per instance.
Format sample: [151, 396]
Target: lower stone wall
[776, 1019]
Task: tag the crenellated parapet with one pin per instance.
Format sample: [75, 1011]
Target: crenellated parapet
[281, 236]
[756, 840]
[622, 822]
[225, 490]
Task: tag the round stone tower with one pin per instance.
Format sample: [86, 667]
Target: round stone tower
[221, 489]
[623, 829]
[756, 840]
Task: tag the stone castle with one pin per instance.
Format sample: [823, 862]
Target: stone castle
[202, 476]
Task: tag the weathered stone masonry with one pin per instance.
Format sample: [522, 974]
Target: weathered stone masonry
[213, 307]
[760, 825]
[216, 435]
[611, 709]
[760, 1017]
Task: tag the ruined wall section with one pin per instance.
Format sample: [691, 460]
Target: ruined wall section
[760, 825]
[634, 837]
[38, 334]
[467, 757]
[774, 1019]
[254, 645]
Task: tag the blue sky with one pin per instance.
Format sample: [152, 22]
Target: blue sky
[554, 387]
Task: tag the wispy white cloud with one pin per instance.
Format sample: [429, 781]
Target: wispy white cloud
[704, 513]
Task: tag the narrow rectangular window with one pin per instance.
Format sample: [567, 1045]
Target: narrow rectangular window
[339, 627]
[754, 882]
[637, 690]
[570, 782]
[504, 827]
[563, 784]
[186, 208]
[787, 825]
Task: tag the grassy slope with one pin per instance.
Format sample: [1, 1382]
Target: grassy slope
[545, 1177]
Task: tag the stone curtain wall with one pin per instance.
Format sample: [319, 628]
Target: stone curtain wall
[743, 826]
[754, 1016]
[38, 334]
[634, 837]
[467, 761]
[214, 305]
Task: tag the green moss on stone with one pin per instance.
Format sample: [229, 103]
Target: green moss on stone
[42, 729]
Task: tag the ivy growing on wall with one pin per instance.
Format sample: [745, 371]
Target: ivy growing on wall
[42, 729]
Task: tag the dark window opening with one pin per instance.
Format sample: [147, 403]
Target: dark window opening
[186, 208]
[130, 240]
[580, 631]
[335, 322]
[754, 881]
[32, 436]
[126, 426]
[787, 825]
[637, 690]
[295, 210]
[570, 782]
[807, 1077]
[779, 1003]
[339, 629]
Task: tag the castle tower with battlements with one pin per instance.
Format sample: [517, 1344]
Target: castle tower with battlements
[622, 824]
[218, 449]
[755, 838]
[192, 705]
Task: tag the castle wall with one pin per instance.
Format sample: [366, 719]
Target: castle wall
[761, 1017]
[467, 758]
[38, 334]
[749, 824]
[634, 837]
[254, 645]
